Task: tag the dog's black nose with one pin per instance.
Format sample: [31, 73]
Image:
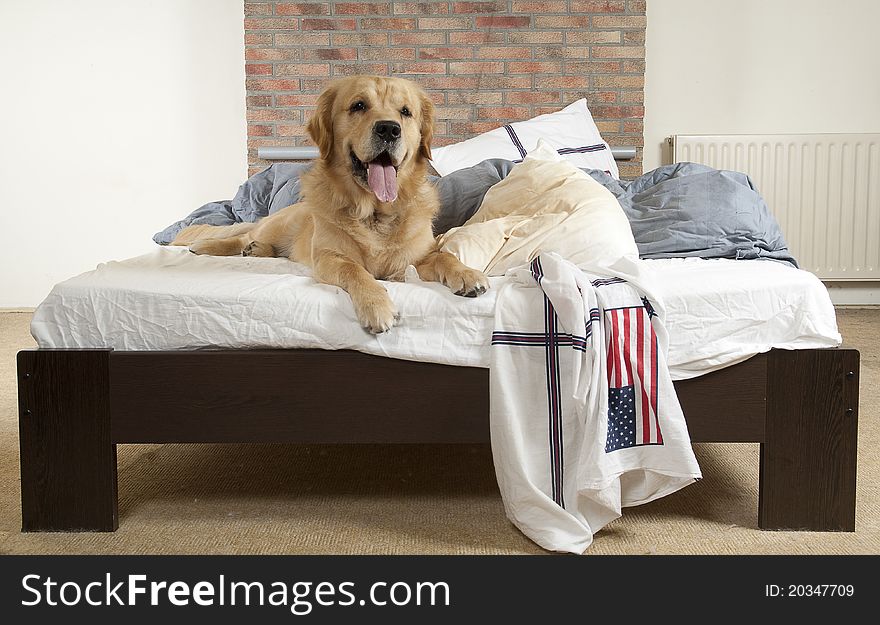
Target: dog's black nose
[388, 131]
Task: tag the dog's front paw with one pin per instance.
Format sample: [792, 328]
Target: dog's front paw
[468, 283]
[376, 313]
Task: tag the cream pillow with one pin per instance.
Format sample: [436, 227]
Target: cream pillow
[545, 204]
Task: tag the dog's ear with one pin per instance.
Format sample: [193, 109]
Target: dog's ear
[427, 126]
[320, 126]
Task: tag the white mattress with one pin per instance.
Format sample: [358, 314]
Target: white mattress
[718, 312]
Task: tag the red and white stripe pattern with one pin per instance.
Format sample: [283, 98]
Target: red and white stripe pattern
[632, 361]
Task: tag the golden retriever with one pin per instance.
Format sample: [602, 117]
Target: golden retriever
[366, 206]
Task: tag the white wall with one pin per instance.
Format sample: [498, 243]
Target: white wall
[116, 119]
[760, 66]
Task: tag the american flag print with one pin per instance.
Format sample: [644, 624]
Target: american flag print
[632, 378]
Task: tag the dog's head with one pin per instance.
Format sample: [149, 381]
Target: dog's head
[379, 128]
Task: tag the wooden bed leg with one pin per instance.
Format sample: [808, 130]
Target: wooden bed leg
[68, 462]
[808, 458]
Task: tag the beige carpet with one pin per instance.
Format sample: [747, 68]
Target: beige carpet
[249, 499]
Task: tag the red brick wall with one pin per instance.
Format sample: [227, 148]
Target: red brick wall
[484, 63]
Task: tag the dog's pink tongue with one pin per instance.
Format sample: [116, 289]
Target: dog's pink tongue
[382, 179]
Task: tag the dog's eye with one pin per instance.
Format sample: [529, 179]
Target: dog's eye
[405, 112]
[358, 106]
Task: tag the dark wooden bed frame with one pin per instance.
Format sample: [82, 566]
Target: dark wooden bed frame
[77, 405]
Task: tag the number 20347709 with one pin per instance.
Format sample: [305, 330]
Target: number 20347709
[809, 590]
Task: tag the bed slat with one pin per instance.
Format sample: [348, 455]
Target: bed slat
[728, 405]
[294, 396]
[318, 396]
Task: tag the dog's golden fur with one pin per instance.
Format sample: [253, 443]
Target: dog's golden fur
[342, 229]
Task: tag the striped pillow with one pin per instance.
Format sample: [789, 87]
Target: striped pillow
[571, 132]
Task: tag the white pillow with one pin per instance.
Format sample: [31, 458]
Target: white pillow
[545, 204]
[571, 132]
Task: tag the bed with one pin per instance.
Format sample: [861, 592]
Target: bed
[174, 348]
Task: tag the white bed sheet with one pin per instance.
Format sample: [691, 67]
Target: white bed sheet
[718, 312]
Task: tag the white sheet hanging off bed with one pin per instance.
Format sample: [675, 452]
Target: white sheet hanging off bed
[583, 413]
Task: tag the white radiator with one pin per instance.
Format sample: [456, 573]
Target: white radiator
[824, 190]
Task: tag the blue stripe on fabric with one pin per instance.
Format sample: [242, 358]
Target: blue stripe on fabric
[515, 139]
